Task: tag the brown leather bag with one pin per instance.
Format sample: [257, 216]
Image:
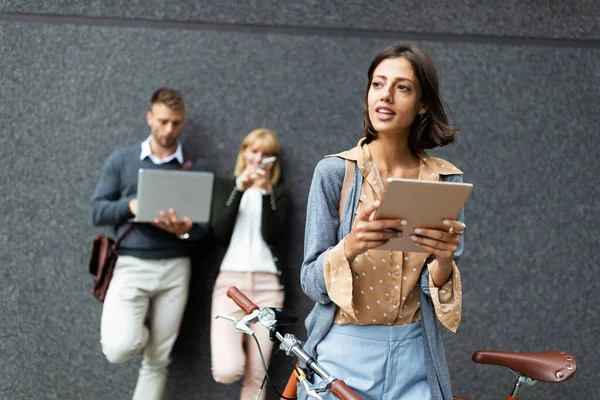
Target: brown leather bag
[103, 260]
[104, 253]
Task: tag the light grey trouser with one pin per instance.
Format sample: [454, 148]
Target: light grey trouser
[234, 355]
[140, 288]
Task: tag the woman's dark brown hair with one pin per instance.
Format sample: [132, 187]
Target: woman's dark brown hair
[431, 129]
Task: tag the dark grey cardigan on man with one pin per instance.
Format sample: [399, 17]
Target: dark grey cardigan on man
[110, 206]
[323, 231]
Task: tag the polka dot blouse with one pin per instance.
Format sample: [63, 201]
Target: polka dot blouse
[381, 287]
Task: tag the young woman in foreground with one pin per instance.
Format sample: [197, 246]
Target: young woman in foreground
[374, 322]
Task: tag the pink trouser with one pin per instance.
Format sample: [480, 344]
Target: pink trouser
[235, 355]
[140, 289]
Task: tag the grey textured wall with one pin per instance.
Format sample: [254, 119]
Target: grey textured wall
[522, 81]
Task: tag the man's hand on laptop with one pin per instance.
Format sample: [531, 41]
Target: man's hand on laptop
[133, 206]
[171, 223]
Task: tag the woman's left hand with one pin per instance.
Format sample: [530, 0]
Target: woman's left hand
[443, 244]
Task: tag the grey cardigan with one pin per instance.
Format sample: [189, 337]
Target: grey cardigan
[324, 231]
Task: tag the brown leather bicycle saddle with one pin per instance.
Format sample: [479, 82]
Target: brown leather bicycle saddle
[550, 366]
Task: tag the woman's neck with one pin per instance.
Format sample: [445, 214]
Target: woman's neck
[393, 157]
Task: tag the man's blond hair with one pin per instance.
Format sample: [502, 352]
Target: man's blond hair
[169, 97]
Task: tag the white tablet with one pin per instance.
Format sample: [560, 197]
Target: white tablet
[189, 193]
[424, 204]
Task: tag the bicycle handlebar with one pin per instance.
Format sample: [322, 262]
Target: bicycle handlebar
[338, 387]
[342, 391]
[241, 300]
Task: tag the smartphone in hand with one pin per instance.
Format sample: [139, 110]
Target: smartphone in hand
[267, 161]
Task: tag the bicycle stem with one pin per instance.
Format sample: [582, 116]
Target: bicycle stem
[291, 345]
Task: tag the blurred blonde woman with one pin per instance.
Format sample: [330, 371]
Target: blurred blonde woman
[250, 212]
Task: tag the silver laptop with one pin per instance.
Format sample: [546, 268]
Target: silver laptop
[189, 193]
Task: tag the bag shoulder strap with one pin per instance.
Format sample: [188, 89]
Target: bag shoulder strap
[346, 186]
[123, 235]
[188, 164]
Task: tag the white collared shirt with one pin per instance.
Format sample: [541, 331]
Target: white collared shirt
[147, 152]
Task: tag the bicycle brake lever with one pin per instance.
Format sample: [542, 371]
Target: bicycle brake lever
[232, 319]
[241, 325]
[310, 391]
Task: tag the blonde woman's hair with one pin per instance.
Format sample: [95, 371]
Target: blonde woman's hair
[267, 141]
